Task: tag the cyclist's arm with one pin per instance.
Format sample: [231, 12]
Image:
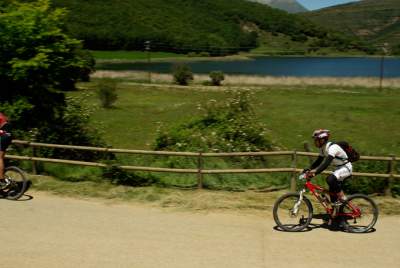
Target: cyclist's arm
[328, 160]
[317, 162]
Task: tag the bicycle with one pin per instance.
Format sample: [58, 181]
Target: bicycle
[293, 212]
[18, 185]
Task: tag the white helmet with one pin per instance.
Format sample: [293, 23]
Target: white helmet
[321, 134]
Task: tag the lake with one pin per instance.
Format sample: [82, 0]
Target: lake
[278, 66]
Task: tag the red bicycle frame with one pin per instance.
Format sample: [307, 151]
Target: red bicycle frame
[315, 189]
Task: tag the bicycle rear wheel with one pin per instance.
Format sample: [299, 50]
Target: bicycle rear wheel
[18, 184]
[360, 213]
[291, 215]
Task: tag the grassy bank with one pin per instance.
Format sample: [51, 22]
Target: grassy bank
[255, 80]
[198, 200]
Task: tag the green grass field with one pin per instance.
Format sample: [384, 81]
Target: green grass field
[365, 117]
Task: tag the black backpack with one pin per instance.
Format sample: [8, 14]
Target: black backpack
[352, 154]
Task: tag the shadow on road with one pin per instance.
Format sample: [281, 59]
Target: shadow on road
[24, 197]
[335, 226]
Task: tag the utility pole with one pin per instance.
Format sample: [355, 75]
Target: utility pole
[382, 68]
[147, 48]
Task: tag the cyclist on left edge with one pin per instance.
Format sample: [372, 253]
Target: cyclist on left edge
[5, 141]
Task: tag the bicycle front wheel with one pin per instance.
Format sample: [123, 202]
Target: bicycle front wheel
[360, 213]
[18, 184]
[291, 214]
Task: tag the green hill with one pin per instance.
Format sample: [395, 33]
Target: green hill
[377, 22]
[214, 26]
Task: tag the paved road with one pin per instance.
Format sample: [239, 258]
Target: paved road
[50, 231]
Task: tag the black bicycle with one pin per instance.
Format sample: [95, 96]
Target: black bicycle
[18, 185]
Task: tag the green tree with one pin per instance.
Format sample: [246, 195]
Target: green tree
[38, 62]
[182, 74]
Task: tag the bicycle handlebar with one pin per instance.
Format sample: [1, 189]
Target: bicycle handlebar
[304, 176]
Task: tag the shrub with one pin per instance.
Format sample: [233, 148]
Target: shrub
[73, 128]
[226, 126]
[207, 83]
[119, 176]
[216, 78]
[106, 91]
[204, 54]
[182, 74]
[192, 54]
[367, 185]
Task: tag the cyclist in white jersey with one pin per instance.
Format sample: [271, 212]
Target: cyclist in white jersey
[331, 153]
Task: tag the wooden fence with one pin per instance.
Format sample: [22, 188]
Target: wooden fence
[200, 171]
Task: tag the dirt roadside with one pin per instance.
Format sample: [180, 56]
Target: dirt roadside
[52, 231]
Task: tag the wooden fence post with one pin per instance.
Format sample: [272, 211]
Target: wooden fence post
[307, 149]
[293, 183]
[199, 171]
[391, 169]
[34, 163]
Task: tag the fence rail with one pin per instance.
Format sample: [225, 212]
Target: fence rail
[390, 175]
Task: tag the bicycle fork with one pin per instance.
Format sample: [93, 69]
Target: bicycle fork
[296, 206]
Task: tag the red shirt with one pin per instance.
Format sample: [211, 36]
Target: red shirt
[3, 120]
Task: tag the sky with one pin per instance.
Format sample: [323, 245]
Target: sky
[317, 4]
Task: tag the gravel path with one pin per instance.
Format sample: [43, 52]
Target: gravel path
[51, 231]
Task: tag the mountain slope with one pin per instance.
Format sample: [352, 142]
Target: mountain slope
[291, 6]
[378, 22]
[215, 26]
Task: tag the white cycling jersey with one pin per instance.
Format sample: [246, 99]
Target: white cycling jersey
[343, 166]
[334, 150]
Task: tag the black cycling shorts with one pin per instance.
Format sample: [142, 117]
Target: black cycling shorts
[5, 141]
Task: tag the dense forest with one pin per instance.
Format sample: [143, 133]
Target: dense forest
[214, 26]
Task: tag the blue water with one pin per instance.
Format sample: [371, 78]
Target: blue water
[280, 66]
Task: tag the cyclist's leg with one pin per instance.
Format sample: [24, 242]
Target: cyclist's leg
[336, 193]
[2, 153]
[335, 187]
[5, 141]
[341, 174]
